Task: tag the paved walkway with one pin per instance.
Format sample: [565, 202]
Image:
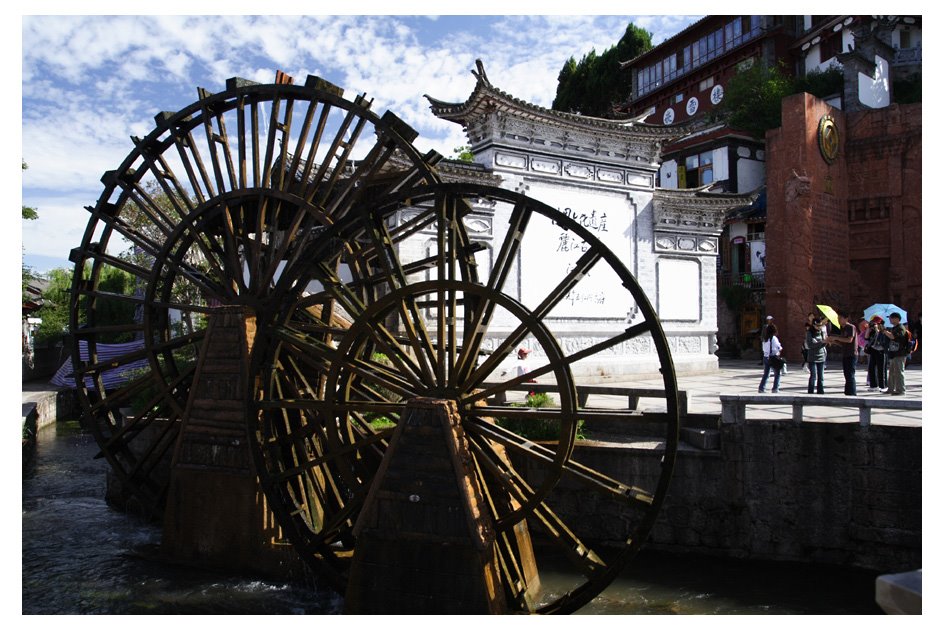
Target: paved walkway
[742, 377]
[733, 377]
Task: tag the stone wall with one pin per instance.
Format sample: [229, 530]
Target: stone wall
[818, 492]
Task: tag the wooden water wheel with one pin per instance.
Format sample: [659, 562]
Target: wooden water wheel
[209, 210]
[433, 314]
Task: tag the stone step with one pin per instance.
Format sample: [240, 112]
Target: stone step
[703, 439]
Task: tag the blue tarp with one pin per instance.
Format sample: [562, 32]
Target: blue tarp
[112, 378]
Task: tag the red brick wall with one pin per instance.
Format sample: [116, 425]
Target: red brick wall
[847, 234]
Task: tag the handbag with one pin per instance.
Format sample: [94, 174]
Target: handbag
[776, 362]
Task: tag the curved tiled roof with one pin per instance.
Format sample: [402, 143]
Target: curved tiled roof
[486, 97]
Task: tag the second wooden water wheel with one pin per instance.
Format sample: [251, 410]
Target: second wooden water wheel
[411, 308]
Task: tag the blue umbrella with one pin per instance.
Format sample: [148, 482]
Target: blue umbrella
[883, 310]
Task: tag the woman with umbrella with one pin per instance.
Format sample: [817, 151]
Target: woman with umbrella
[816, 354]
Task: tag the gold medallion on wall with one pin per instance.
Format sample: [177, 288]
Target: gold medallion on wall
[828, 138]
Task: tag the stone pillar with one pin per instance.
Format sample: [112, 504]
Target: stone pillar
[807, 229]
[216, 512]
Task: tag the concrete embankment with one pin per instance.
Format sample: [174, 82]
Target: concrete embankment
[43, 405]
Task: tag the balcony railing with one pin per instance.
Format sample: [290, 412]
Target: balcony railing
[907, 56]
[754, 280]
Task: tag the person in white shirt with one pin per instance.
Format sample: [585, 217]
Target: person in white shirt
[771, 346]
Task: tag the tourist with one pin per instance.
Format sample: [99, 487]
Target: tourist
[876, 343]
[807, 327]
[847, 340]
[816, 354]
[771, 347]
[898, 350]
[862, 328]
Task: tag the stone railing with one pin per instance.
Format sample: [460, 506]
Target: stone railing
[633, 394]
[733, 405]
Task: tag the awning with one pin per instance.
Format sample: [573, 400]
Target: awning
[112, 378]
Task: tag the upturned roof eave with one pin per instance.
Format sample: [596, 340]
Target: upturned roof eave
[486, 97]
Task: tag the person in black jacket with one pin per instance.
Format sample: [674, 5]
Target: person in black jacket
[876, 343]
[847, 341]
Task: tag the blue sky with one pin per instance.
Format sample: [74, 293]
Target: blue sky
[90, 82]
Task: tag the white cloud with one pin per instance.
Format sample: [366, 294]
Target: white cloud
[90, 82]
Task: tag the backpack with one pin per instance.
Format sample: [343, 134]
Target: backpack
[904, 347]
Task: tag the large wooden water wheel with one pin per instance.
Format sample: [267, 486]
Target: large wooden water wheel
[369, 292]
[208, 210]
[433, 316]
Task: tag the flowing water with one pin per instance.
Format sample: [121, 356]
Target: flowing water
[82, 557]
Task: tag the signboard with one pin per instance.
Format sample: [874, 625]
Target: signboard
[550, 253]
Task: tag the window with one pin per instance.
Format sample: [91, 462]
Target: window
[698, 171]
[905, 39]
[678, 98]
[705, 84]
[756, 231]
[831, 46]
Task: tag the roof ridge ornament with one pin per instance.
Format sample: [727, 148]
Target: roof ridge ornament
[481, 74]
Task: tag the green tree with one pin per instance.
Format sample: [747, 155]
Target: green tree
[753, 97]
[463, 153]
[183, 291]
[28, 275]
[29, 213]
[596, 85]
[57, 304]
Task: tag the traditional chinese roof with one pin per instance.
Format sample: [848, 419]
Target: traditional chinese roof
[487, 98]
[696, 209]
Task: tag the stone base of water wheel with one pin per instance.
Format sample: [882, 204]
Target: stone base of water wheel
[217, 515]
[425, 541]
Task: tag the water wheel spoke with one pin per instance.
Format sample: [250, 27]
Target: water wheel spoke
[361, 181]
[581, 556]
[589, 477]
[141, 421]
[95, 366]
[332, 407]
[323, 183]
[320, 460]
[311, 108]
[216, 138]
[573, 277]
[387, 342]
[491, 389]
[478, 322]
[408, 313]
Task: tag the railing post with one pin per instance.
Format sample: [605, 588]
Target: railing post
[865, 413]
[797, 412]
[733, 410]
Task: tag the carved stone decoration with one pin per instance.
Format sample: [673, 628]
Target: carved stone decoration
[546, 166]
[578, 170]
[610, 176]
[690, 345]
[708, 245]
[510, 161]
[638, 179]
[480, 226]
[796, 186]
[686, 243]
[665, 242]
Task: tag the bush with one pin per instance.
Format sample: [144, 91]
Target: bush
[538, 429]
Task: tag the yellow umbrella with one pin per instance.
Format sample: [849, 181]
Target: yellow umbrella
[830, 313]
